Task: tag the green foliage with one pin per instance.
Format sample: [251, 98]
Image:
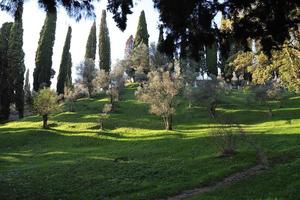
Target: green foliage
[91, 44]
[27, 91]
[5, 81]
[211, 60]
[64, 76]
[160, 93]
[43, 58]
[45, 102]
[161, 40]
[141, 36]
[282, 64]
[15, 60]
[104, 44]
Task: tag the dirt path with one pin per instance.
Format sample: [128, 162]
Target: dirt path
[225, 182]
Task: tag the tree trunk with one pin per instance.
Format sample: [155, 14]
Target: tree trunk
[270, 113]
[168, 123]
[45, 120]
[190, 104]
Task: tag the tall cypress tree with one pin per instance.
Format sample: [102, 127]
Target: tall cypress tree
[15, 56]
[160, 40]
[43, 58]
[91, 45]
[65, 67]
[104, 45]
[5, 82]
[141, 35]
[27, 90]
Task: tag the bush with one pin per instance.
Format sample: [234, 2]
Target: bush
[225, 139]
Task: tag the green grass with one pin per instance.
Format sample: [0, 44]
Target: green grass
[135, 159]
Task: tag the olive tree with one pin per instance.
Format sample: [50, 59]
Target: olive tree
[264, 94]
[160, 93]
[45, 102]
[208, 93]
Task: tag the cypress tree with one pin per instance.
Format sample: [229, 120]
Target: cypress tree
[160, 40]
[91, 44]
[65, 67]
[141, 35]
[43, 58]
[104, 44]
[15, 56]
[5, 83]
[27, 91]
[211, 59]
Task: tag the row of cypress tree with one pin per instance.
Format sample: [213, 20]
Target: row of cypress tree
[104, 44]
[12, 66]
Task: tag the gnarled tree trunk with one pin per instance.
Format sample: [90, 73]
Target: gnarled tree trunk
[45, 120]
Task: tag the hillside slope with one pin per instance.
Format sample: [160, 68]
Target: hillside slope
[135, 159]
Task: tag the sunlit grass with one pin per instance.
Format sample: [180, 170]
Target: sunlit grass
[133, 157]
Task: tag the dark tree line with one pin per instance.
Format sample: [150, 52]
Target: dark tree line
[12, 66]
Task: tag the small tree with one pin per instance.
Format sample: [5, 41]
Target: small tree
[103, 115]
[160, 93]
[86, 74]
[70, 97]
[207, 93]
[45, 103]
[266, 93]
[101, 81]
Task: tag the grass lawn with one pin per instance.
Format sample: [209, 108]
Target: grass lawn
[135, 159]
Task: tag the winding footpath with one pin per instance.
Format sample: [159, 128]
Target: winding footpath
[225, 182]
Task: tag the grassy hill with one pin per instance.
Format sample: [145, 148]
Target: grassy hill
[135, 159]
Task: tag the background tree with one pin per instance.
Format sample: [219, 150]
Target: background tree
[91, 44]
[43, 59]
[128, 47]
[45, 103]
[104, 44]
[70, 98]
[5, 82]
[101, 81]
[157, 60]
[208, 93]
[268, 20]
[160, 93]
[211, 59]
[189, 75]
[15, 58]
[27, 90]
[141, 36]
[139, 62]
[117, 84]
[161, 40]
[86, 73]
[63, 78]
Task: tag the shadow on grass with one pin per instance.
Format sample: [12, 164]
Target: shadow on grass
[140, 168]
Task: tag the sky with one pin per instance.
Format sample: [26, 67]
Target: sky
[33, 20]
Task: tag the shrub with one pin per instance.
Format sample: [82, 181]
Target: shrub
[225, 139]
